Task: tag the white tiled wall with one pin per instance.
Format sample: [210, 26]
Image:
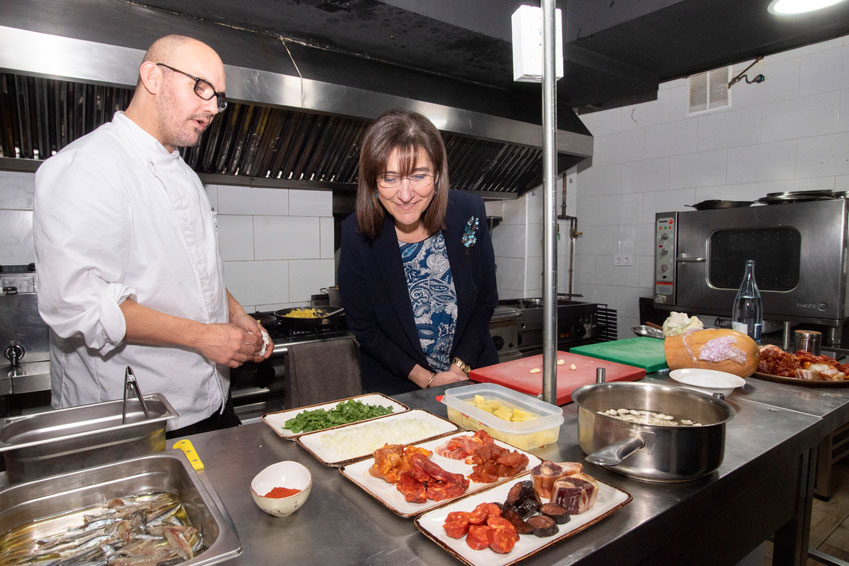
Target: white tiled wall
[790, 132]
[276, 244]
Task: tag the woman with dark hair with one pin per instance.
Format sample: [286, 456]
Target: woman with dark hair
[417, 270]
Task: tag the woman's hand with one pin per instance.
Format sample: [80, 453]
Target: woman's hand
[453, 375]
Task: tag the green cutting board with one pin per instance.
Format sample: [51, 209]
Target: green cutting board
[642, 352]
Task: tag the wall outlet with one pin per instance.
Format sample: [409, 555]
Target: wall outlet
[623, 260]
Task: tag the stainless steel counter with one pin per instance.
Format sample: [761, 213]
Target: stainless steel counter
[760, 490]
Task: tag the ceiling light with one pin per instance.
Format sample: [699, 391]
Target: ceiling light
[791, 7]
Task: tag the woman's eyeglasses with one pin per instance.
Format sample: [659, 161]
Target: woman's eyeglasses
[202, 88]
[417, 181]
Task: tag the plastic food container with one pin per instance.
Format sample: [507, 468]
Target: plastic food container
[527, 435]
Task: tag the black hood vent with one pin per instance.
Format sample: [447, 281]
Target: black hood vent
[279, 129]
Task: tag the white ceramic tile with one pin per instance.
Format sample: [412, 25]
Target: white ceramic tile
[584, 269]
[841, 183]
[258, 282]
[16, 247]
[729, 129]
[824, 71]
[587, 207]
[508, 240]
[603, 122]
[533, 201]
[823, 155]
[16, 190]
[533, 276]
[274, 306]
[602, 180]
[535, 240]
[510, 294]
[673, 84]
[236, 237]
[603, 293]
[308, 276]
[514, 211]
[611, 274]
[645, 268]
[619, 148]
[844, 111]
[644, 239]
[310, 203]
[628, 299]
[212, 194]
[782, 83]
[665, 201]
[816, 184]
[493, 207]
[624, 324]
[598, 240]
[647, 175]
[679, 101]
[671, 139]
[623, 209]
[763, 162]
[246, 200]
[746, 191]
[646, 113]
[328, 244]
[701, 169]
[286, 237]
[510, 273]
[802, 117]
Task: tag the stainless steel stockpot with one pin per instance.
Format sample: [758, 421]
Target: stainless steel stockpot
[652, 452]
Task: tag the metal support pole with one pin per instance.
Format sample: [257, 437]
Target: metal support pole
[549, 156]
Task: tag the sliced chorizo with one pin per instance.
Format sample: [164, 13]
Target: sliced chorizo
[478, 537]
[502, 534]
[456, 524]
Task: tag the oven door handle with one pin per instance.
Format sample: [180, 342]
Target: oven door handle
[690, 259]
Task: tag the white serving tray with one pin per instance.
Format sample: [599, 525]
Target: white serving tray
[430, 523]
[388, 428]
[277, 419]
[393, 500]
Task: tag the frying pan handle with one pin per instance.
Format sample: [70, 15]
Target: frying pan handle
[613, 454]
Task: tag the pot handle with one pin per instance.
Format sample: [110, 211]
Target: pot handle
[613, 454]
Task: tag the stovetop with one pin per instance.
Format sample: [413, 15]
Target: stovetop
[283, 336]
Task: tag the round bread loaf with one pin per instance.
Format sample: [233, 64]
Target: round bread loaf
[714, 348]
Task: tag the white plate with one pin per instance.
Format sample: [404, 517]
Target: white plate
[389, 429]
[609, 500]
[708, 380]
[389, 495]
[278, 419]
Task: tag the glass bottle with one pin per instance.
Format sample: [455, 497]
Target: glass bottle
[747, 315]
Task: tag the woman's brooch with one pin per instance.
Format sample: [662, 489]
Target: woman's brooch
[470, 237]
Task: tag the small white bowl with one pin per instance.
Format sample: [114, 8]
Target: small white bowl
[282, 474]
[708, 380]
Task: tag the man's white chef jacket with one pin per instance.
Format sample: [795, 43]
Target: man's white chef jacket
[116, 216]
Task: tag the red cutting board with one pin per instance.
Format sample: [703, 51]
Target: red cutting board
[516, 374]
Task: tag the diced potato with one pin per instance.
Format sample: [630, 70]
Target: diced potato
[505, 413]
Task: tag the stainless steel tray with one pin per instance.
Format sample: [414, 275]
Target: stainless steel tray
[54, 442]
[56, 495]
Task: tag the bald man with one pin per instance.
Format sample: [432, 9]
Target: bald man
[127, 253]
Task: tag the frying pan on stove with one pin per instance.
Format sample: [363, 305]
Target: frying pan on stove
[716, 204]
[326, 317]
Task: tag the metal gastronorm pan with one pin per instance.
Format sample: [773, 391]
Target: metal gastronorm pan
[54, 442]
[56, 495]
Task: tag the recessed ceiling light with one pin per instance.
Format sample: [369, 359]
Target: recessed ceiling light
[790, 7]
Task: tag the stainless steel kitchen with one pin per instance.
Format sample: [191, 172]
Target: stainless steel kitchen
[626, 320]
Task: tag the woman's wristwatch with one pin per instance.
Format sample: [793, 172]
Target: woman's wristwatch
[462, 365]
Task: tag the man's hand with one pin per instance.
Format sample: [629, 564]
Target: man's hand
[228, 344]
[249, 324]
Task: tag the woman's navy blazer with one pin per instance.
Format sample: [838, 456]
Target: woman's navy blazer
[377, 301]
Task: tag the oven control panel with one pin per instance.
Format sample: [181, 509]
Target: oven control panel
[664, 257]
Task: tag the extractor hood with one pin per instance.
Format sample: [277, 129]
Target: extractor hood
[297, 112]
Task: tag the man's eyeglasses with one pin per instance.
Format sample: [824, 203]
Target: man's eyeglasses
[202, 88]
[417, 181]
